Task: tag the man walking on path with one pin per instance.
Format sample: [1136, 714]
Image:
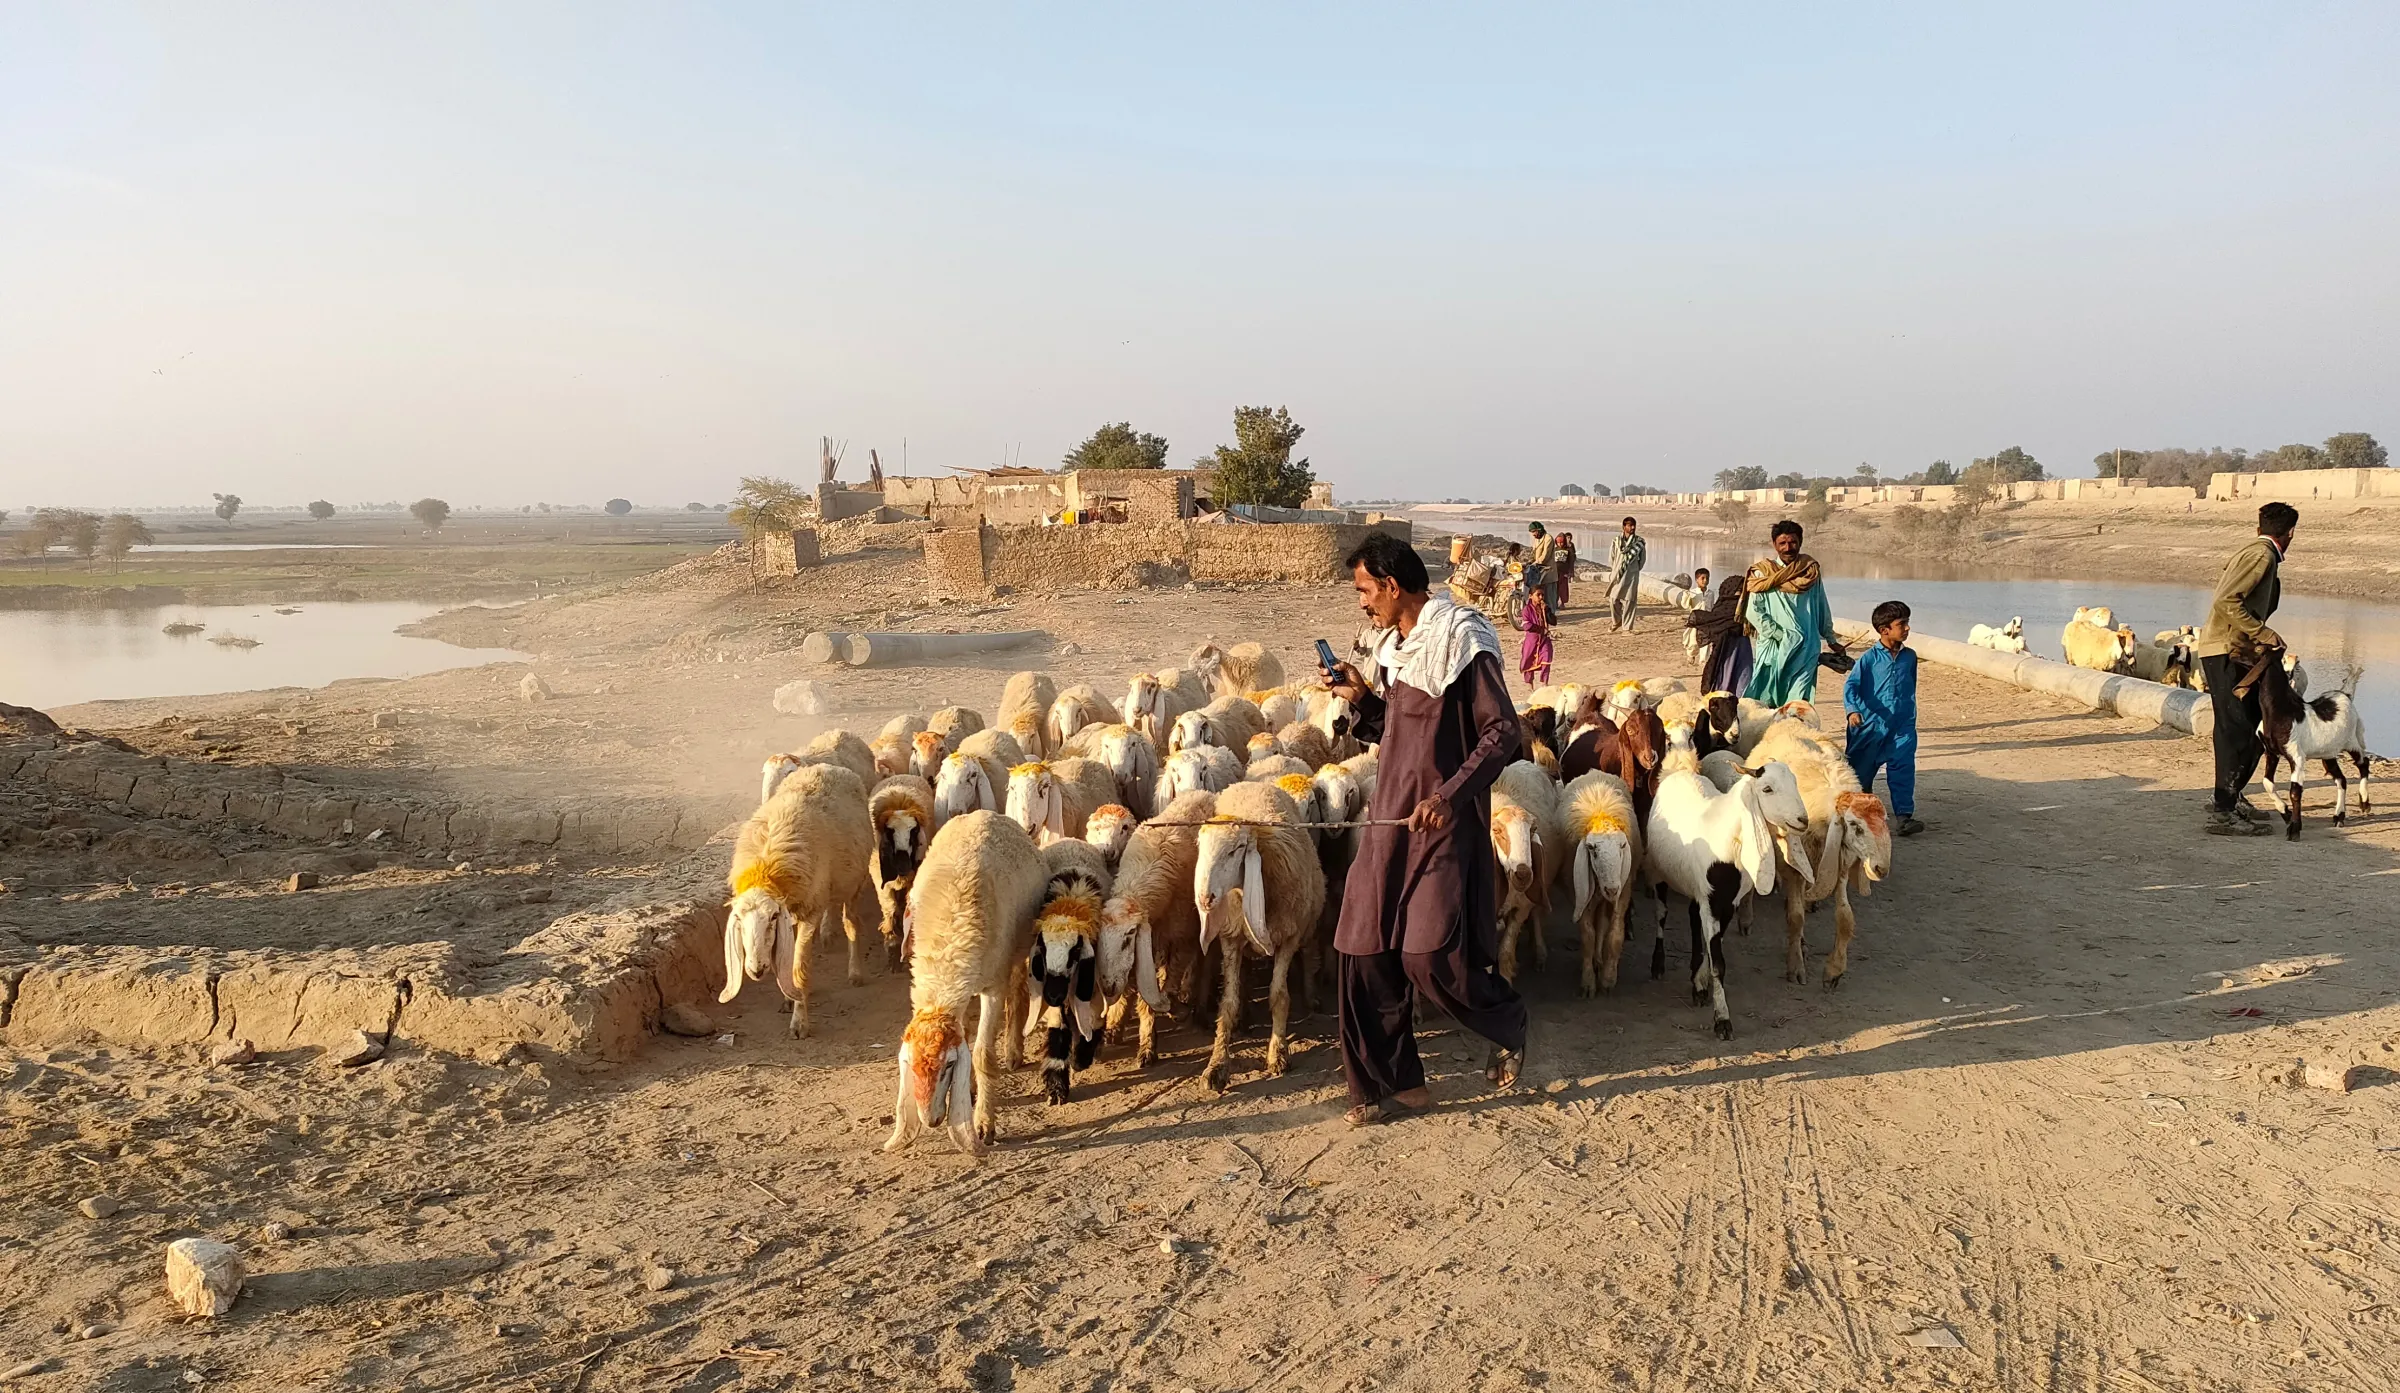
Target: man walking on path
[2233, 639]
[1541, 570]
[1419, 918]
[1792, 618]
[1625, 586]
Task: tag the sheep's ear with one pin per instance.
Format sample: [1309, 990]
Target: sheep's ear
[1081, 999]
[787, 957]
[1583, 878]
[907, 1121]
[1254, 898]
[1145, 969]
[962, 1105]
[734, 971]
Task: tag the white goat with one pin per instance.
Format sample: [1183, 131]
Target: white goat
[1714, 849]
[970, 932]
[1604, 842]
[801, 860]
[2006, 638]
[2294, 729]
[1258, 888]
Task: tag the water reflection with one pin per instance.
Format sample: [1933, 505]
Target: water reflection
[52, 658]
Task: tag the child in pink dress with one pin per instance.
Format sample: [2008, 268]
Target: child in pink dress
[1533, 660]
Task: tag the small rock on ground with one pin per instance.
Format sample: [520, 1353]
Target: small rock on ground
[233, 1052]
[99, 1206]
[682, 1018]
[302, 880]
[659, 1278]
[801, 698]
[362, 1048]
[203, 1276]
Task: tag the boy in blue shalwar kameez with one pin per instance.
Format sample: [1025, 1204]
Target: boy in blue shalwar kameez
[1882, 697]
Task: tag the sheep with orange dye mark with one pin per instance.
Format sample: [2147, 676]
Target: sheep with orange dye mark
[804, 858]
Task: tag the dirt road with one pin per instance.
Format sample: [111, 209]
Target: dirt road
[2032, 1142]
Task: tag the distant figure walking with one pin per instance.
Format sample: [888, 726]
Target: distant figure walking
[1566, 567]
[2233, 640]
[1541, 572]
[1625, 586]
[1792, 618]
[1724, 641]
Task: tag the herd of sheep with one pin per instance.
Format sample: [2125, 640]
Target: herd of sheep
[1075, 861]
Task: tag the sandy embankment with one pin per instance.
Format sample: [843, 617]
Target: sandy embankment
[2037, 1114]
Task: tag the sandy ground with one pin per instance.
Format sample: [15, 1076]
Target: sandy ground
[2040, 1114]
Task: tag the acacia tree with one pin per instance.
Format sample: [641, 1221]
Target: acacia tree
[121, 534]
[320, 510]
[432, 512]
[617, 507]
[2354, 449]
[1118, 446]
[227, 505]
[765, 505]
[1258, 467]
[79, 530]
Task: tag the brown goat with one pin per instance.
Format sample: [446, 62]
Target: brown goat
[1630, 751]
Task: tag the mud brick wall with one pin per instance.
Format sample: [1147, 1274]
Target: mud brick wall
[961, 563]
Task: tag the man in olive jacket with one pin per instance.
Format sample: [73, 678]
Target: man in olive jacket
[2234, 637]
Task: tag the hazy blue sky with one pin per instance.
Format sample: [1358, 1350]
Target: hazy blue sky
[512, 252]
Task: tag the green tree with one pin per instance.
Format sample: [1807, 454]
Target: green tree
[1747, 476]
[122, 533]
[1258, 467]
[432, 512]
[320, 510]
[1865, 473]
[617, 508]
[1941, 471]
[227, 505]
[1572, 491]
[2010, 466]
[2354, 449]
[2288, 457]
[1599, 490]
[1118, 446]
[1790, 479]
[77, 529]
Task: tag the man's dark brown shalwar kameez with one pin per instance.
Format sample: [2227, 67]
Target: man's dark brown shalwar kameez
[1419, 915]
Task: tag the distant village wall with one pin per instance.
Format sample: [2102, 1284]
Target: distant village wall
[962, 562]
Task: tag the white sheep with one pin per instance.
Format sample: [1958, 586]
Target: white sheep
[927, 750]
[835, 747]
[1245, 667]
[1714, 849]
[1263, 745]
[995, 744]
[1152, 702]
[1202, 768]
[2094, 646]
[1270, 768]
[1109, 828]
[955, 723]
[969, 783]
[970, 934]
[803, 858]
[1073, 709]
[1756, 716]
[901, 808]
[2100, 615]
[2005, 638]
[1229, 721]
[1341, 798]
[1055, 798]
[1258, 888]
[1336, 718]
[1604, 845]
[1307, 744]
[1847, 845]
[893, 746]
[1150, 925]
[1025, 709]
[1128, 754]
[1526, 844]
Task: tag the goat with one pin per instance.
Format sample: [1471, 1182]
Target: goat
[970, 932]
[1258, 888]
[1245, 667]
[1151, 923]
[1055, 799]
[1631, 751]
[1073, 709]
[954, 723]
[893, 745]
[2006, 638]
[901, 807]
[1063, 971]
[1024, 708]
[803, 858]
[1714, 849]
[2295, 729]
[1603, 837]
[968, 783]
[1847, 845]
[1526, 842]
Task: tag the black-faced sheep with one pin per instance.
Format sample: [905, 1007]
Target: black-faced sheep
[901, 807]
[1063, 971]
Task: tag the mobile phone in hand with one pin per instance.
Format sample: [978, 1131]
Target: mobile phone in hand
[1325, 658]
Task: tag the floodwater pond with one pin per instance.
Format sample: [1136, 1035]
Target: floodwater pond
[57, 657]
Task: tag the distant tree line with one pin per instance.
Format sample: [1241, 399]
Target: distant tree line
[2173, 468]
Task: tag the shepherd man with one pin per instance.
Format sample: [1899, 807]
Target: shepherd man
[1625, 587]
[1792, 618]
[1419, 918]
